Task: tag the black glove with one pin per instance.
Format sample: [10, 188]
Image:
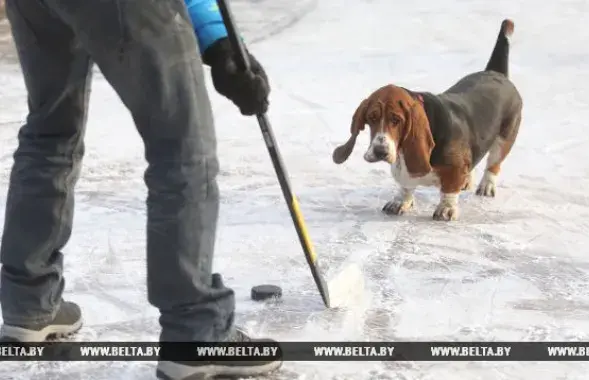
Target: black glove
[248, 90]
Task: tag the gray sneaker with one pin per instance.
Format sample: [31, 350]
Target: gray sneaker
[67, 321]
[168, 370]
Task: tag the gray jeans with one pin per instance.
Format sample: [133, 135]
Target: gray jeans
[148, 52]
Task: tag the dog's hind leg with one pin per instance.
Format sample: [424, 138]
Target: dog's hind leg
[497, 154]
[469, 185]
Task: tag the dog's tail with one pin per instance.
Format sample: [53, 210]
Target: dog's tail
[499, 60]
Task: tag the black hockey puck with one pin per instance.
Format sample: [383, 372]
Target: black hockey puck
[264, 292]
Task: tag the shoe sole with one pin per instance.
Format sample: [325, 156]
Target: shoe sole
[208, 372]
[49, 333]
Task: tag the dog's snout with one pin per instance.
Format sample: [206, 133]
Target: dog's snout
[381, 151]
[380, 140]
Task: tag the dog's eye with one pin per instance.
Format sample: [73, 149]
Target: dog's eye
[395, 119]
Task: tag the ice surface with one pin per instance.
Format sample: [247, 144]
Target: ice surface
[512, 268]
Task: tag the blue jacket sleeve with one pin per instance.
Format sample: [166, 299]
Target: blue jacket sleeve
[206, 21]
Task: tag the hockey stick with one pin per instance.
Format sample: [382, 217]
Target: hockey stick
[347, 281]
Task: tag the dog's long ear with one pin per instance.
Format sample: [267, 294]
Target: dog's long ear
[418, 142]
[342, 152]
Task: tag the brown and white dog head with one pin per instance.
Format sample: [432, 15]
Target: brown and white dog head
[398, 125]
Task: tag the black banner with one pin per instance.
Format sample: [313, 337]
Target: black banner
[296, 351]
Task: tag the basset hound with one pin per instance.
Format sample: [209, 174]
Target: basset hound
[438, 139]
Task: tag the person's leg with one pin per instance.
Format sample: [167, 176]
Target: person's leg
[148, 52]
[40, 202]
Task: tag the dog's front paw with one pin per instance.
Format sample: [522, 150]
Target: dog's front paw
[487, 187]
[398, 207]
[446, 212]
